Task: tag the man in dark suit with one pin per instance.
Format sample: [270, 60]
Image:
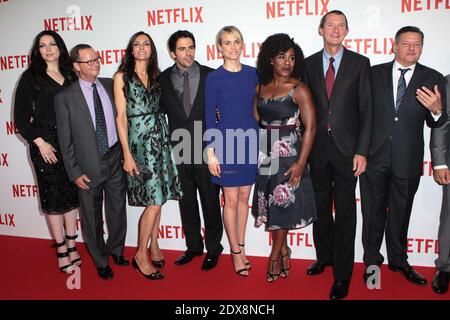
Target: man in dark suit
[85, 116]
[440, 156]
[406, 95]
[339, 80]
[182, 99]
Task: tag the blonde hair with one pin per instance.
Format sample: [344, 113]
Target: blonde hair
[228, 29]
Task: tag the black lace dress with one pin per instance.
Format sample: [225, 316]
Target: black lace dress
[35, 117]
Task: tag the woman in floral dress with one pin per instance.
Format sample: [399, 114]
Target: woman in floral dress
[283, 197]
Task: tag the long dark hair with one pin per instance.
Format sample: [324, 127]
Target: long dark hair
[38, 66]
[273, 46]
[129, 62]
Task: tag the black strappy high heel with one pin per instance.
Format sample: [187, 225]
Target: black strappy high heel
[247, 263]
[285, 264]
[271, 276]
[66, 268]
[77, 261]
[240, 271]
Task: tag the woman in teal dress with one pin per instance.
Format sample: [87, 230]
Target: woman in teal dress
[144, 136]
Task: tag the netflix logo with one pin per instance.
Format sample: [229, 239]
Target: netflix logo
[11, 128]
[380, 46]
[297, 239]
[289, 8]
[249, 50]
[24, 190]
[427, 246]
[4, 160]
[111, 56]
[424, 5]
[174, 232]
[76, 23]
[14, 62]
[1, 101]
[427, 169]
[175, 15]
[7, 219]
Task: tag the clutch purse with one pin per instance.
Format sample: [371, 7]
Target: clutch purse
[144, 173]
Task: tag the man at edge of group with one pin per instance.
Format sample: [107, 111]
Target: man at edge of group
[441, 162]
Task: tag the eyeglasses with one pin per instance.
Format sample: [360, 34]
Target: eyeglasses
[91, 62]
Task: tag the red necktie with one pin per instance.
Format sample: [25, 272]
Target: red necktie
[329, 78]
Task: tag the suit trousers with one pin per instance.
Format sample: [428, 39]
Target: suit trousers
[111, 188]
[197, 177]
[333, 180]
[443, 260]
[386, 207]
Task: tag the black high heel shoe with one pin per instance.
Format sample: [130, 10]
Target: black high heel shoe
[271, 276]
[247, 263]
[67, 268]
[77, 261]
[152, 276]
[285, 264]
[240, 271]
[159, 263]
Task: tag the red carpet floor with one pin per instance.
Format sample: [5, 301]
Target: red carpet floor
[28, 271]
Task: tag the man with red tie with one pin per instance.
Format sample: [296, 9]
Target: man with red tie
[339, 80]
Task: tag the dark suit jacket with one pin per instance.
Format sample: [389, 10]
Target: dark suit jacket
[350, 108]
[173, 107]
[76, 132]
[402, 133]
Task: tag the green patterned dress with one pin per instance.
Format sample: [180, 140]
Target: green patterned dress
[148, 139]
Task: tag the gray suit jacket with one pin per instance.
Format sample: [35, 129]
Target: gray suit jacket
[440, 139]
[76, 132]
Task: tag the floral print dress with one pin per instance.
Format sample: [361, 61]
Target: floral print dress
[275, 203]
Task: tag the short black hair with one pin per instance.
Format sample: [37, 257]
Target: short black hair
[172, 42]
[279, 43]
[338, 12]
[75, 52]
[408, 29]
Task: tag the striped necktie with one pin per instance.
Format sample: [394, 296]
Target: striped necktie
[401, 88]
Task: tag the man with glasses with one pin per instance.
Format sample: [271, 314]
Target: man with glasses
[406, 94]
[85, 116]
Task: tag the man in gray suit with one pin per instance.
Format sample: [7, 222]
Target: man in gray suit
[440, 156]
[85, 117]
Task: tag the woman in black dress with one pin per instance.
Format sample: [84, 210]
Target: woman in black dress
[49, 72]
[283, 197]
